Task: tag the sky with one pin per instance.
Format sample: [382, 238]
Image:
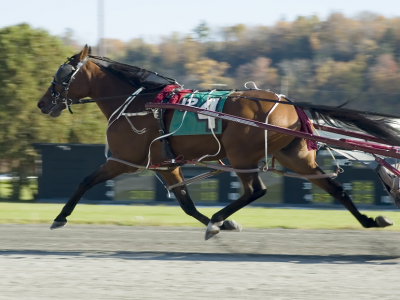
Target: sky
[129, 19]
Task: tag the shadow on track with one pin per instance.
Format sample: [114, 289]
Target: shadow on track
[184, 256]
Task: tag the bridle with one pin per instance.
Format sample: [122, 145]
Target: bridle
[64, 76]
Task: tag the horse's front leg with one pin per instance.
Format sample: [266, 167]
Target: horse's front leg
[185, 201]
[106, 172]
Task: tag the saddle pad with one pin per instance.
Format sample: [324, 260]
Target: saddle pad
[196, 124]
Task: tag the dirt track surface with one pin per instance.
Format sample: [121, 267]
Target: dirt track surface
[110, 262]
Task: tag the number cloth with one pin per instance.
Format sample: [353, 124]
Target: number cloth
[196, 124]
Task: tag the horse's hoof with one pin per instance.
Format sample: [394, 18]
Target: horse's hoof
[232, 225]
[383, 221]
[212, 229]
[56, 225]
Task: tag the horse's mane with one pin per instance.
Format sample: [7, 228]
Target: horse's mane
[134, 75]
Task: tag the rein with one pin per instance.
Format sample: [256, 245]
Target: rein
[305, 105]
[302, 105]
[93, 100]
[144, 75]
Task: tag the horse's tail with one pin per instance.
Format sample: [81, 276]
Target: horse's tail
[338, 117]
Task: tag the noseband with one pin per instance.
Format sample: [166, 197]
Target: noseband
[63, 78]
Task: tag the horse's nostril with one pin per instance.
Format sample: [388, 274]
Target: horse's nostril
[41, 104]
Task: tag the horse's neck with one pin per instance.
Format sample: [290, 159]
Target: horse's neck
[111, 93]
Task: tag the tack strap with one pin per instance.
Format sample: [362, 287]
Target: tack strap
[265, 169]
[167, 134]
[121, 110]
[208, 102]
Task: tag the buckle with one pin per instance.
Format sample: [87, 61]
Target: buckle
[156, 113]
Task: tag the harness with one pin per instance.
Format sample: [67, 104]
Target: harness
[166, 151]
[65, 76]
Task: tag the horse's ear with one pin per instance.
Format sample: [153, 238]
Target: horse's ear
[84, 53]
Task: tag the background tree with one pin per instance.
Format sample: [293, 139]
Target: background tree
[29, 59]
[260, 71]
[209, 72]
[202, 31]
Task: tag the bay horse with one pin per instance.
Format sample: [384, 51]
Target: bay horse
[244, 146]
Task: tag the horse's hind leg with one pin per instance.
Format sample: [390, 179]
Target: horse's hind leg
[107, 171]
[254, 188]
[297, 158]
[185, 201]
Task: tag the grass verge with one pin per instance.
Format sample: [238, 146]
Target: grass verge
[135, 215]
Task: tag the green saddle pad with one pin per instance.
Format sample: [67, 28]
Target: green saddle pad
[196, 124]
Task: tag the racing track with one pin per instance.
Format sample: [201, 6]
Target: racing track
[110, 262]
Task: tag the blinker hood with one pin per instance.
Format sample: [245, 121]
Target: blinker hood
[63, 73]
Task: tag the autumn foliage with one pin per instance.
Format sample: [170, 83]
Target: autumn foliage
[327, 62]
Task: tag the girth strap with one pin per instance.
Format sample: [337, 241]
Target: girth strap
[166, 151]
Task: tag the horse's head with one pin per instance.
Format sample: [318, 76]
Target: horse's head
[62, 91]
